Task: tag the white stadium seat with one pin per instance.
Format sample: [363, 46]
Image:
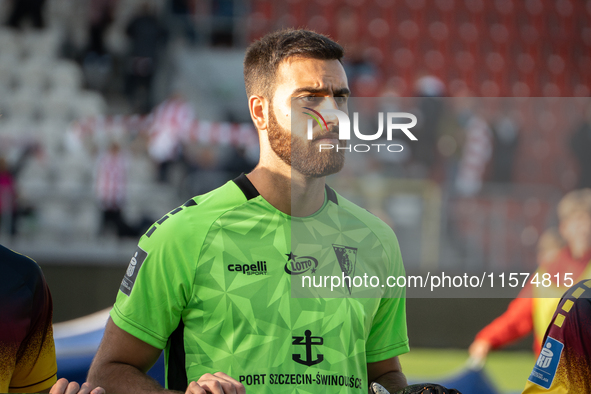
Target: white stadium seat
[89, 104]
[66, 75]
[57, 106]
[24, 104]
[33, 75]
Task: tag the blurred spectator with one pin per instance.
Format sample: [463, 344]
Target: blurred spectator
[100, 17]
[429, 89]
[211, 165]
[222, 12]
[580, 143]
[505, 143]
[361, 71]
[10, 207]
[21, 9]
[181, 20]
[97, 62]
[532, 310]
[205, 170]
[476, 152]
[428, 85]
[146, 36]
[7, 199]
[515, 322]
[171, 125]
[110, 186]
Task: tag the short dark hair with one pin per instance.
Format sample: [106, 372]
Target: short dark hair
[264, 56]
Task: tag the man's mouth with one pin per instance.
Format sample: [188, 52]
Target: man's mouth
[328, 138]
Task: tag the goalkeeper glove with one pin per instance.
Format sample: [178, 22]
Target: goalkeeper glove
[423, 388]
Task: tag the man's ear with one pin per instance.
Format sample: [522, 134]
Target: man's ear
[259, 108]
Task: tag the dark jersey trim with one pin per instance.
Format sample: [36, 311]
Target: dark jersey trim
[176, 210]
[31, 385]
[331, 195]
[163, 219]
[177, 374]
[189, 203]
[149, 233]
[246, 186]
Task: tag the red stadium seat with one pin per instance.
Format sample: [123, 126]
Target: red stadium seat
[470, 40]
[475, 6]
[520, 89]
[490, 88]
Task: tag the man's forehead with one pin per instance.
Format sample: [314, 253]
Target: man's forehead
[296, 72]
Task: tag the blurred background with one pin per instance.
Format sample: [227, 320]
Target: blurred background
[116, 111]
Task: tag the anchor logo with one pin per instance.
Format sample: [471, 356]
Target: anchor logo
[308, 342]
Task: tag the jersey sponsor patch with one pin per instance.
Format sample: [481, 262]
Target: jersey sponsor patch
[132, 269]
[260, 268]
[547, 363]
[298, 265]
[347, 257]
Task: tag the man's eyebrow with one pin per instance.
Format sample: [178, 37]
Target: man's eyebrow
[309, 89]
[342, 92]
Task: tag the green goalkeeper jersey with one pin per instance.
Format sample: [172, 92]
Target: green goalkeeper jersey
[222, 283]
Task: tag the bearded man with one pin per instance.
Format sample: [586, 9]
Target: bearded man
[211, 281]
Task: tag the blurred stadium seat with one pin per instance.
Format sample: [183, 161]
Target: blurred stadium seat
[66, 76]
[58, 106]
[89, 104]
[503, 27]
[24, 104]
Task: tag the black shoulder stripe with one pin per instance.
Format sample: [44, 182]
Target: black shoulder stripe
[246, 186]
[189, 203]
[149, 233]
[176, 210]
[332, 196]
[163, 219]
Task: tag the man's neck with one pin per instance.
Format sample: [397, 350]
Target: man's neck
[287, 190]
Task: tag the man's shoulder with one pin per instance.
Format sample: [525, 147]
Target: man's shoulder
[197, 214]
[374, 223]
[16, 268]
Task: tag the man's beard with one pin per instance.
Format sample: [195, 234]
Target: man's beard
[304, 155]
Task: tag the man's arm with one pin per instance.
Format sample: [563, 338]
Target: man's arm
[121, 363]
[122, 360]
[388, 373]
[514, 323]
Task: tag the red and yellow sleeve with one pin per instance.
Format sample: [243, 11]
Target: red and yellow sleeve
[36, 368]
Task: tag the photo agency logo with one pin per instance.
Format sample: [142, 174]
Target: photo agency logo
[392, 125]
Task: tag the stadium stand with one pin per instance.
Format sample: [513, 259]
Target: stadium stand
[487, 40]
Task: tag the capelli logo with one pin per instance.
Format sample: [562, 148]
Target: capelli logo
[345, 129]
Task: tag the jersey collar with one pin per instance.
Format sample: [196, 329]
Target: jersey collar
[250, 192]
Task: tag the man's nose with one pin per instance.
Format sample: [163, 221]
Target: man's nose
[329, 103]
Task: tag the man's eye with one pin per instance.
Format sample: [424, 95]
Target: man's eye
[311, 99]
[340, 99]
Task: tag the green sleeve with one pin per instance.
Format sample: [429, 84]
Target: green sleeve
[158, 282]
[388, 336]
